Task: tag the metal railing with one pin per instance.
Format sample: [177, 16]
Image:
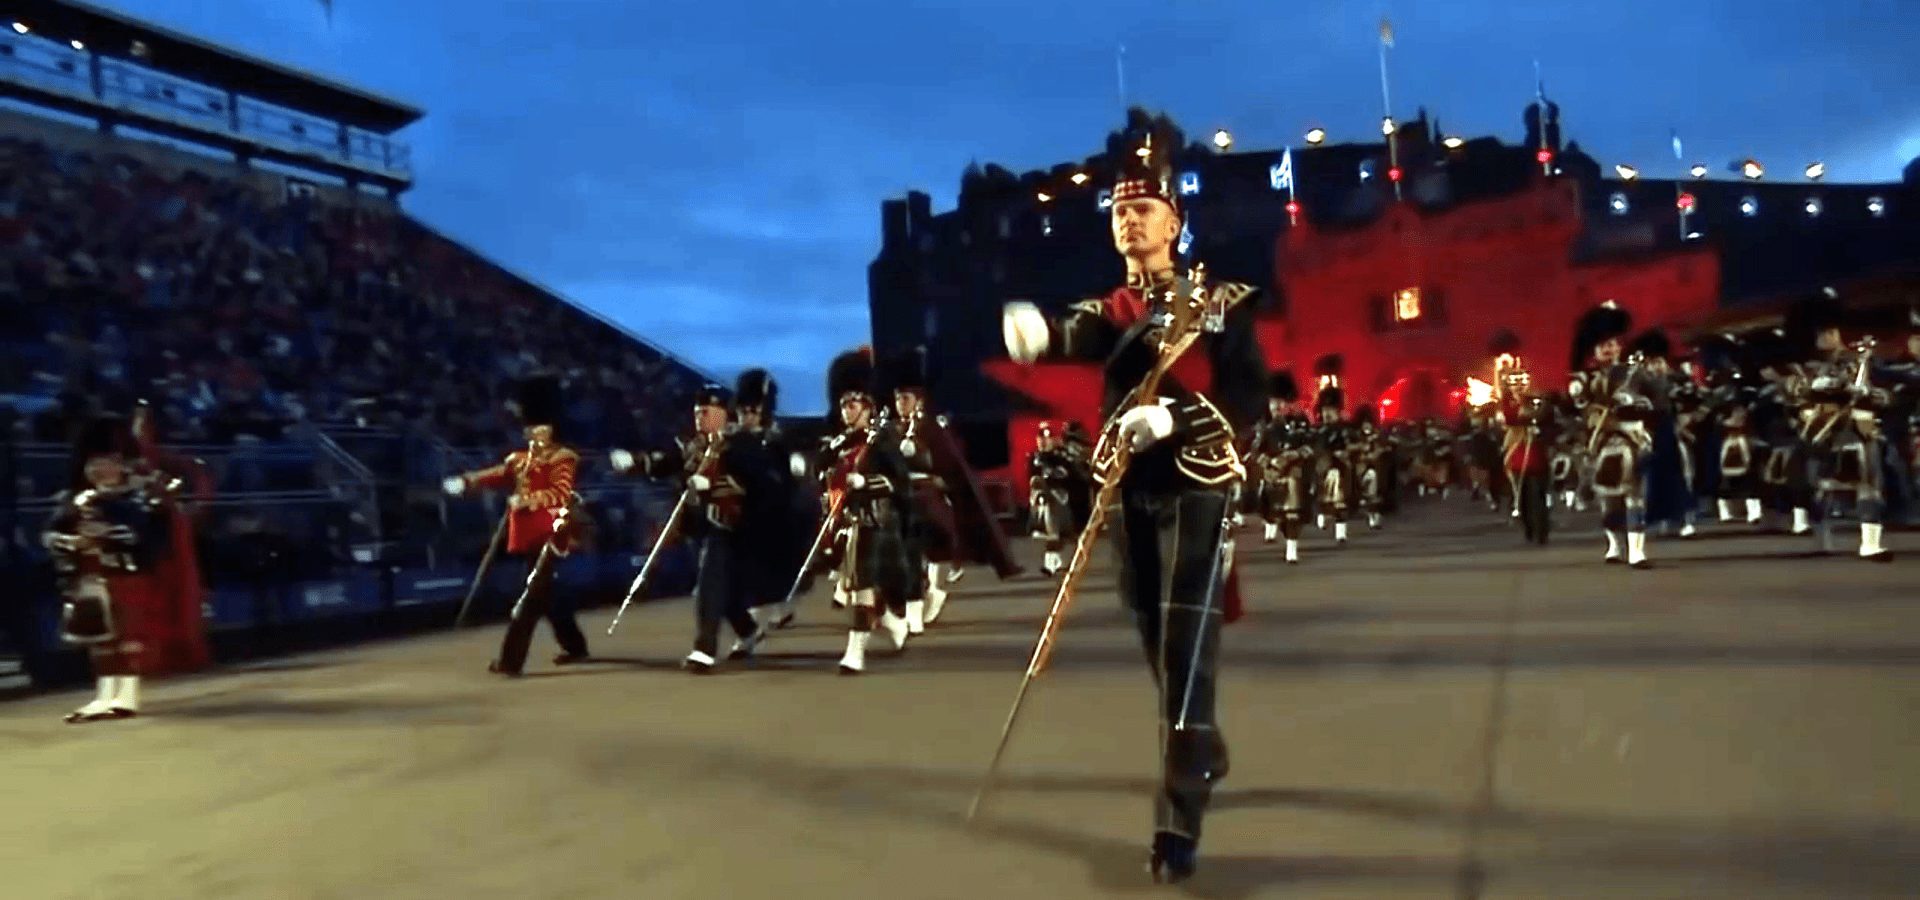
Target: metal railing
[113, 85]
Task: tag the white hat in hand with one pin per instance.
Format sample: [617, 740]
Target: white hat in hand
[698, 482]
[856, 481]
[622, 461]
[1145, 426]
[454, 485]
[797, 464]
[907, 447]
[1025, 328]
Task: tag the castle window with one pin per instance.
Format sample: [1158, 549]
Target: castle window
[1619, 204]
[1006, 228]
[1750, 206]
[1104, 200]
[1406, 304]
[1046, 226]
[1189, 183]
[1876, 207]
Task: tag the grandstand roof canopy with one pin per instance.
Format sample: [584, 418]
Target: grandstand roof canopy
[113, 34]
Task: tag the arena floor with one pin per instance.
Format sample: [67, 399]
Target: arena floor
[1435, 711]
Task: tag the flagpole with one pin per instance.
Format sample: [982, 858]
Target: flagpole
[1681, 215]
[1386, 101]
[1540, 103]
[1120, 73]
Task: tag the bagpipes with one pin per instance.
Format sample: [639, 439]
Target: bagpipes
[836, 505]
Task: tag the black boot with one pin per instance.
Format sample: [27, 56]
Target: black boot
[1174, 859]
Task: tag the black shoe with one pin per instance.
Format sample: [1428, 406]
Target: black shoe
[496, 669]
[568, 659]
[1174, 858]
[1884, 556]
[745, 646]
[1642, 565]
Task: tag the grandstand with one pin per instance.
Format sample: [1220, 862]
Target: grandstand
[223, 236]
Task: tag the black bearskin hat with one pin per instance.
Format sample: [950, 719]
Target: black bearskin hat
[850, 373]
[1143, 159]
[1653, 344]
[907, 371]
[1807, 318]
[1596, 326]
[1365, 415]
[756, 389]
[1281, 386]
[1766, 349]
[1721, 352]
[1331, 398]
[99, 435]
[710, 394]
[536, 399]
[1503, 341]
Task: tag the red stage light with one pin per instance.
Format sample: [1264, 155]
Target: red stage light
[1685, 202]
[1293, 207]
[1544, 156]
[1393, 174]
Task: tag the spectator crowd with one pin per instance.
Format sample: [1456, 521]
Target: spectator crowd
[244, 313]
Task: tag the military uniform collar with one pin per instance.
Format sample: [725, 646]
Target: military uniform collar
[1140, 281]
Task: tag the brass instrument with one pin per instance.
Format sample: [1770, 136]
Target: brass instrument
[1111, 456]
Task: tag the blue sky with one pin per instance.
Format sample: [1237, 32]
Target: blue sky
[709, 174]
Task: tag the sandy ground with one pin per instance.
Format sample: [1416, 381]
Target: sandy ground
[1434, 711]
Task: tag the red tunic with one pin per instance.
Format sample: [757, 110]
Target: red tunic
[546, 489]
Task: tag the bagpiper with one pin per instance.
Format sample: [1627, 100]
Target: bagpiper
[1436, 459]
[1839, 423]
[1179, 493]
[543, 522]
[1369, 461]
[105, 532]
[951, 522]
[1057, 483]
[868, 492]
[1612, 396]
[1669, 461]
[728, 489]
[1903, 425]
[1336, 485]
[1730, 397]
[1283, 455]
[1784, 480]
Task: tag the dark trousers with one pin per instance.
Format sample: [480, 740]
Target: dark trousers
[537, 602]
[1172, 578]
[720, 593]
[1532, 497]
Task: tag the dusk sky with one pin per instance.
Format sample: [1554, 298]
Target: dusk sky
[709, 174]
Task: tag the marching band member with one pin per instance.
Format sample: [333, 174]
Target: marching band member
[1368, 462]
[1612, 396]
[775, 544]
[1179, 494]
[1668, 478]
[1839, 424]
[1784, 480]
[1729, 405]
[1527, 446]
[181, 641]
[952, 522]
[730, 486]
[541, 522]
[1283, 456]
[103, 536]
[1335, 496]
[1054, 477]
[867, 477]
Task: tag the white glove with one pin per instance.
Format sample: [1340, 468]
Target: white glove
[797, 464]
[1623, 398]
[1025, 328]
[622, 461]
[697, 482]
[907, 448]
[454, 485]
[856, 481]
[1146, 425]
